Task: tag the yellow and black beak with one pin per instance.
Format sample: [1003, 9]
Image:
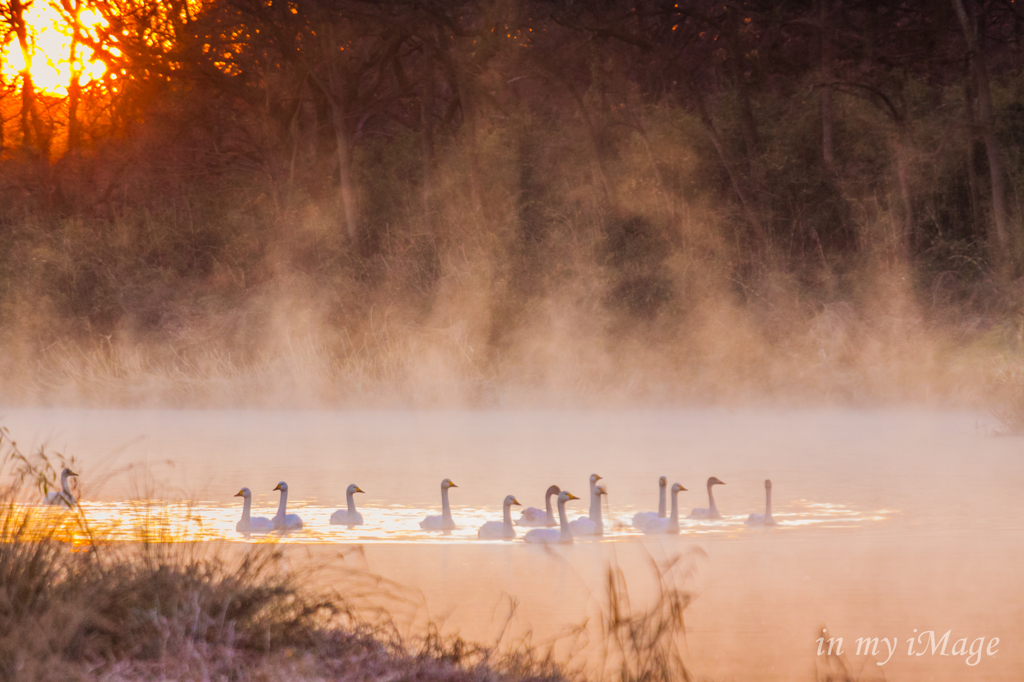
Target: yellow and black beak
[358, 490]
[452, 485]
[516, 502]
[71, 473]
[240, 493]
[573, 497]
[277, 487]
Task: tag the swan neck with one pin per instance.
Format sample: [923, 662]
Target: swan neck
[246, 508]
[768, 503]
[506, 517]
[661, 501]
[64, 483]
[595, 503]
[350, 498]
[673, 523]
[562, 521]
[446, 509]
[711, 500]
[551, 515]
[283, 504]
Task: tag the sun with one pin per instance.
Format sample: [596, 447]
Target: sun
[50, 50]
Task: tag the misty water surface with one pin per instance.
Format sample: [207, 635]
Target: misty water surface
[889, 521]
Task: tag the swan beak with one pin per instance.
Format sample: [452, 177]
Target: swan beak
[277, 487]
[516, 502]
[597, 478]
[682, 489]
[239, 494]
[71, 473]
[359, 490]
[452, 485]
[573, 497]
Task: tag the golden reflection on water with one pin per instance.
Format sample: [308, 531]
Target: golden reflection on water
[164, 521]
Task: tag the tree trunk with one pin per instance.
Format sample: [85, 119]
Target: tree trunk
[906, 238]
[427, 124]
[985, 118]
[827, 146]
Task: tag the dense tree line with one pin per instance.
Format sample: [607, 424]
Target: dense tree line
[807, 120]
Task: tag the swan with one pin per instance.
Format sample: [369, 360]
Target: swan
[283, 521]
[595, 498]
[349, 516]
[641, 519]
[550, 535]
[532, 516]
[591, 525]
[64, 496]
[500, 530]
[711, 511]
[248, 524]
[765, 519]
[444, 521]
[670, 524]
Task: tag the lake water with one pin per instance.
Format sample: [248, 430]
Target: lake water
[891, 523]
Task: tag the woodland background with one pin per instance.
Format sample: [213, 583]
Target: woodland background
[264, 202]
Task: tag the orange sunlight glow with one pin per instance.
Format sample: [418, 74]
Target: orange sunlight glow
[50, 38]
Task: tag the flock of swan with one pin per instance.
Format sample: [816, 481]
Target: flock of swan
[545, 527]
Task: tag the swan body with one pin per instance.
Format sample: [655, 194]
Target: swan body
[63, 497]
[641, 519]
[591, 525]
[283, 520]
[551, 535]
[444, 521]
[765, 519]
[249, 523]
[711, 511]
[540, 518]
[671, 523]
[500, 530]
[349, 516]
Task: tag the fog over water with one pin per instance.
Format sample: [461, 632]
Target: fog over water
[890, 521]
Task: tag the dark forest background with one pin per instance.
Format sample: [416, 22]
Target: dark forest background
[482, 203]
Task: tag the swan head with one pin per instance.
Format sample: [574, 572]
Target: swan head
[511, 500]
[565, 496]
[768, 483]
[553, 490]
[594, 478]
[676, 488]
[600, 490]
[67, 472]
[714, 480]
[662, 482]
[244, 492]
[354, 489]
[282, 486]
[447, 483]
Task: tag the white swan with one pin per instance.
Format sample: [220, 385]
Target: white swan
[711, 511]
[444, 521]
[283, 520]
[532, 516]
[595, 498]
[641, 519]
[500, 530]
[250, 524]
[349, 516]
[591, 525]
[765, 519]
[62, 497]
[670, 524]
[550, 535]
